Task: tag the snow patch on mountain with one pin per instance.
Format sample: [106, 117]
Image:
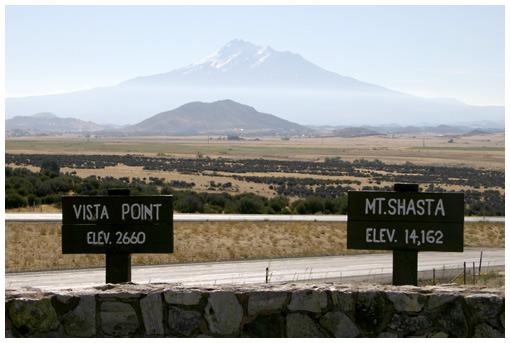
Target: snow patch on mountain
[237, 54]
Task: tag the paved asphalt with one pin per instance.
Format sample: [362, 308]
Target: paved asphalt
[184, 217]
[345, 268]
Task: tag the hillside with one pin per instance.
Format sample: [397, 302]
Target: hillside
[217, 117]
[46, 121]
[355, 132]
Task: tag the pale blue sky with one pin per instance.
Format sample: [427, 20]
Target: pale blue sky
[431, 51]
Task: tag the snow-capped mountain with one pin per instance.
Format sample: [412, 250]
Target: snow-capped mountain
[236, 54]
[241, 63]
[281, 83]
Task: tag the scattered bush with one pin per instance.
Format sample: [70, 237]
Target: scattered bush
[316, 195]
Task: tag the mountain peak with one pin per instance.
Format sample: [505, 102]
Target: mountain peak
[218, 116]
[45, 115]
[236, 54]
[46, 121]
[239, 43]
[245, 46]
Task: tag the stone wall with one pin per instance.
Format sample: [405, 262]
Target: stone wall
[286, 310]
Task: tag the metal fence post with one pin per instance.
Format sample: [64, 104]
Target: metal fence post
[480, 265]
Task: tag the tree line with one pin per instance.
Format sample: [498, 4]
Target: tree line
[26, 188]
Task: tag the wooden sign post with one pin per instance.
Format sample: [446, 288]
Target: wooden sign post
[117, 225]
[118, 265]
[406, 222]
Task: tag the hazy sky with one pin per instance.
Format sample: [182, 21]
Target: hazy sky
[431, 51]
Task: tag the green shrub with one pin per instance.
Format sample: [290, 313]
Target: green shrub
[14, 200]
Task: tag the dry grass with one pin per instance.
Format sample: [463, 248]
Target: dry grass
[389, 149]
[488, 277]
[484, 234]
[37, 246]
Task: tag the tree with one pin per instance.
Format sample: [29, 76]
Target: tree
[14, 200]
[191, 203]
[314, 205]
[279, 203]
[50, 165]
[251, 204]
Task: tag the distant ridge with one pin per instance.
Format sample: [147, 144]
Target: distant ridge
[45, 115]
[215, 117]
[355, 132]
[46, 121]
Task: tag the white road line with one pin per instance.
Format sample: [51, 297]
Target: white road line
[185, 217]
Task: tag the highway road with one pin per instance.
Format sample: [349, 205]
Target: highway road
[185, 217]
[345, 268]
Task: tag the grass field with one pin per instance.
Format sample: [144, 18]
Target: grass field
[480, 149]
[483, 151]
[37, 246]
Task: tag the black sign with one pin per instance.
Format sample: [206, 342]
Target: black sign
[117, 224]
[405, 221]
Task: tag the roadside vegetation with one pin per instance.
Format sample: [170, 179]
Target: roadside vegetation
[38, 246]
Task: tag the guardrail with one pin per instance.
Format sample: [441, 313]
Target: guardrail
[186, 217]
